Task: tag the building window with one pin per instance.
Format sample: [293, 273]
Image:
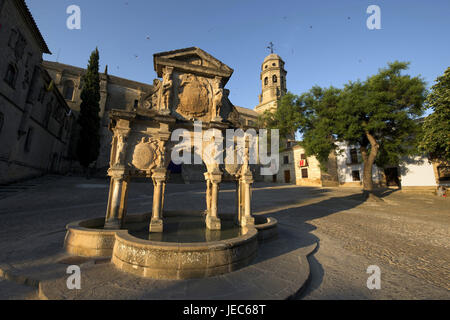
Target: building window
[303, 161]
[273, 64]
[29, 57]
[20, 46]
[274, 79]
[354, 156]
[48, 113]
[304, 173]
[2, 121]
[355, 175]
[28, 139]
[68, 90]
[41, 96]
[136, 103]
[12, 38]
[286, 160]
[266, 66]
[266, 81]
[444, 173]
[11, 75]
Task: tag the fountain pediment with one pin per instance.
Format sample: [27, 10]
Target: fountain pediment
[192, 87]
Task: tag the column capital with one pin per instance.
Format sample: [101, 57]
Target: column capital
[117, 172]
[247, 178]
[159, 174]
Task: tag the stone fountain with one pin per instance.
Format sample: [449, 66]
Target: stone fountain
[192, 91]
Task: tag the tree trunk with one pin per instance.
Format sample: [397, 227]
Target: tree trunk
[369, 160]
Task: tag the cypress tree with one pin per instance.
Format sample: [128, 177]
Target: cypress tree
[88, 145]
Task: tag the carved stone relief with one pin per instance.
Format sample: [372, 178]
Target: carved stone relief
[149, 153]
[218, 94]
[193, 96]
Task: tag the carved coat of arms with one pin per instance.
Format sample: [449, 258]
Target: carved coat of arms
[193, 96]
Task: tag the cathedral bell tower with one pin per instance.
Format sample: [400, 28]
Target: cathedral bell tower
[273, 81]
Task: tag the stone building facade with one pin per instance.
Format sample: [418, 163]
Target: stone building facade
[413, 173]
[35, 121]
[309, 173]
[123, 94]
[115, 93]
[345, 169]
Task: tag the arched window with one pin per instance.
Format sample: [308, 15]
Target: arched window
[11, 75]
[266, 81]
[68, 90]
[274, 79]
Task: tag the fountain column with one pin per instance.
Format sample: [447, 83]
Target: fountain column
[208, 193]
[159, 179]
[112, 220]
[212, 219]
[118, 190]
[238, 202]
[246, 181]
[247, 218]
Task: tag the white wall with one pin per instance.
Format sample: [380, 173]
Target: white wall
[345, 170]
[417, 172]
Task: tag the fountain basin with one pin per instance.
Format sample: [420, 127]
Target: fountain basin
[87, 238]
[171, 260]
[267, 228]
[165, 256]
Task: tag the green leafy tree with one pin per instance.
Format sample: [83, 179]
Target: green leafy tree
[379, 114]
[88, 145]
[436, 127]
[286, 118]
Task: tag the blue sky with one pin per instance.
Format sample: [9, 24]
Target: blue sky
[324, 42]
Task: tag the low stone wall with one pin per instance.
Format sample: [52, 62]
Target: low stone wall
[309, 182]
[419, 189]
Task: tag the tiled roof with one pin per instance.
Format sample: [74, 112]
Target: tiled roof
[247, 111]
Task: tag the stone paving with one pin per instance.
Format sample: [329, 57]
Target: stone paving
[407, 235]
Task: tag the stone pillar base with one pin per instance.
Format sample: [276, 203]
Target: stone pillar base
[113, 224]
[247, 221]
[156, 225]
[213, 223]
